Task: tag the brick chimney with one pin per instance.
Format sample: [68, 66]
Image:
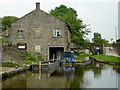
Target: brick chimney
[37, 6]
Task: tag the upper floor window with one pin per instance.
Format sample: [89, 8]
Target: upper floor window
[20, 33]
[37, 33]
[57, 33]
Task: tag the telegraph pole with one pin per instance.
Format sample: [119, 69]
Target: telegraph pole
[116, 33]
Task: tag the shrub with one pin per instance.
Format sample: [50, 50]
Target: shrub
[81, 52]
[41, 59]
[4, 40]
[34, 57]
[29, 55]
[29, 62]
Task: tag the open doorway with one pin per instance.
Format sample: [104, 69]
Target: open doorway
[56, 53]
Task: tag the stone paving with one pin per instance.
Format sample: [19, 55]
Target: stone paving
[7, 69]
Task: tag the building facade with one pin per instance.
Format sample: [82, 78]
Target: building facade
[40, 32]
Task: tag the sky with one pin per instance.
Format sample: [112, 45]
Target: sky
[102, 15]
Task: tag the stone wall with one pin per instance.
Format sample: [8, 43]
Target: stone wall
[12, 54]
[117, 47]
[38, 19]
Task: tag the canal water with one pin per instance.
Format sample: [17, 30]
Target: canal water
[96, 75]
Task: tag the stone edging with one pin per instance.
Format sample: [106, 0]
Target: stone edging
[102, 61]
[13, 72]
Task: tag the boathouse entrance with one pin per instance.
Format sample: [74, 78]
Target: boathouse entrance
[56, 53]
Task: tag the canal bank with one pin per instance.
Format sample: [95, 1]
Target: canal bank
[9, 71]
[106, 61]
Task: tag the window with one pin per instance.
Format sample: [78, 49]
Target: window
[57, 33]
[20, 33]
[37, 33]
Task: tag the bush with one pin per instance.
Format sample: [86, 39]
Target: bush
[4, 40]
[9, 64]
[29, 55]
[30, 62]
[83, 53]
[41, 59]
[32, 57]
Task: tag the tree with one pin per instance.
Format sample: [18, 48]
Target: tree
[0, 25]
[98, 39]
[69, 15]
[7, 21]
[118, 40]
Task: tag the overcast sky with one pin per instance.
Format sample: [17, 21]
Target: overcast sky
[102, 15]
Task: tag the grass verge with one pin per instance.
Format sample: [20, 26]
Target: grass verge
[9, 64]
[107, 58]
[78, 57]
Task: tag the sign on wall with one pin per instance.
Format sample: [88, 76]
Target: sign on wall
[22, 46]
[37, 49]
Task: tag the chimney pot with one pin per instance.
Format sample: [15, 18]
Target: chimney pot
[37, 5]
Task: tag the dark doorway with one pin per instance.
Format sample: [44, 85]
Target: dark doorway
[56, 52]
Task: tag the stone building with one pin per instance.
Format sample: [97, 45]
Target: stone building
[40, 32]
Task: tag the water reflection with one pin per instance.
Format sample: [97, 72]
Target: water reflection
[96, 75]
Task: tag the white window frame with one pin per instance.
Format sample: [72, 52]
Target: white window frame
[19, 33]
[56, 31]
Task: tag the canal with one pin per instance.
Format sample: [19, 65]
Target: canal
[96, 75]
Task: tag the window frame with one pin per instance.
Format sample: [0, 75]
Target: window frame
[35, 32]
[55, 33]
[19, 33]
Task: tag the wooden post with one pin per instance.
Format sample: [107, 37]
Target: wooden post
[53, 57]
[39, 70]
[39, 65]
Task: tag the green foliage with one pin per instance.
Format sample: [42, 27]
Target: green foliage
[32, 57]
[79, 41]
[0, 23]
[29, 55]
[7, 21]
[9, 64]
[118, 40]
[98, 39]
[107, 57]
[78, 57]
[41, 59]
[4, 40]
[83, 53]
[30, 62]
[69, 15]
